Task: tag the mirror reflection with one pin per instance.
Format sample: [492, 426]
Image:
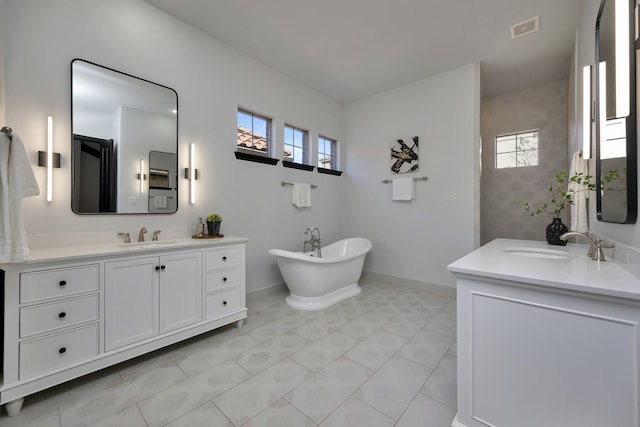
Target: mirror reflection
[616, 162]
[124, 148]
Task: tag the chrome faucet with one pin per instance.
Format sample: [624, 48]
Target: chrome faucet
[127, 238]
[141, 234]
[595, 246]
[155, 235]
[314, 240]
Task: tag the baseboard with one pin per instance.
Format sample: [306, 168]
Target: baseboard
[265, 292]
[366, 275]
[416, 284]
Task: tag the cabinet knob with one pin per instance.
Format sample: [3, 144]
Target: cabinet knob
[224, 258]
[224, 279]
[62, 315]
[62, 350]
[224, 303]
[162, 267]
[157, 268]
[62, 283]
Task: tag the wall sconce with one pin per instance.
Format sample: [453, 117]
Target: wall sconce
[622, 57]
[191, 176]
[141, 176]
[49, 159]
[587, 114]
[602, 101]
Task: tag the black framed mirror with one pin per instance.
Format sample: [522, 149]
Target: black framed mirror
[615, 78]
[124, 157]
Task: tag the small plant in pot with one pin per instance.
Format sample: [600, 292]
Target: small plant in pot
[213, 224]
[562, 196]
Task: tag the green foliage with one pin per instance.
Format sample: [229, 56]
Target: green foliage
[614, 181]
[561, 194]
[214, 217]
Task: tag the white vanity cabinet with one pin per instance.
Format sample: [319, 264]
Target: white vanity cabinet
[148, 296]
[223, 278]
[74, 310]
[58, 318]
[546, 342]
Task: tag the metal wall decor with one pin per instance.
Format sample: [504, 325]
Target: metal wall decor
[404, 155]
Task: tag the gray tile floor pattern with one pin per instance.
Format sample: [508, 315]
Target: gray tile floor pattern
[386, 357]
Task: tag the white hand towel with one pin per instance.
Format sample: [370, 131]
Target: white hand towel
[16, 182]
[402, 189]
[301, 195]
[160, 202]
[579, 220]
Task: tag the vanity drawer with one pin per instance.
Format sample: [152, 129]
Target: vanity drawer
[48, 317]
[58, 350]
[222, 257]
[221, 303]
[39, 285]
[219, 279]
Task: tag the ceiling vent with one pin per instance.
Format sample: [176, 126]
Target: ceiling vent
[525, 27]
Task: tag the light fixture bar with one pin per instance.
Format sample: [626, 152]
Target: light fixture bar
[49, 158]
[141, 176]
[622, 57]
[192, 174]
[586, 112]
[602, 101]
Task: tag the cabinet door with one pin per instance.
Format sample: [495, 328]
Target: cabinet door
[131, 301]
[180, 290]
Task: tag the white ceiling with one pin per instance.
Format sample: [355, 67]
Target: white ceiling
[351, 49]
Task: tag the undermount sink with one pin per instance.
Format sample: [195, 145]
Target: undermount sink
[146, 245]
[539, 253]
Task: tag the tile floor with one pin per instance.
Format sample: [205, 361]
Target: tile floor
[386, 357]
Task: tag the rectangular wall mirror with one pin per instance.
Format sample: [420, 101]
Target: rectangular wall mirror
[616, 153]
[125, 142]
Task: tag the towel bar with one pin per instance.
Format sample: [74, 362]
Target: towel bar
[387, 181]
[283, 183]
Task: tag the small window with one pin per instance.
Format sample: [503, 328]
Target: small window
[327, 153]
[517, 150]
[254, 133]
[295, 144]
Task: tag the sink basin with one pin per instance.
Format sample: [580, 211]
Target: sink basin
[539, 253]
[146, 245]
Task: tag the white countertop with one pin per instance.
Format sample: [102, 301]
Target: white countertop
[71, 253]
[578, 273]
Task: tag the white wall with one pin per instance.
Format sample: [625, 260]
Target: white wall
[626, 234]
[416, 240]
[211, 80]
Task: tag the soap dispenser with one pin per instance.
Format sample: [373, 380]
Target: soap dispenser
[199, 227]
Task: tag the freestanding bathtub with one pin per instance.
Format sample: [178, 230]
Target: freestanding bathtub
[316, 283]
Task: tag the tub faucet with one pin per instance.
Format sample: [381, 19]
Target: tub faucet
[314, 240]
[141, 234]
[595, 246]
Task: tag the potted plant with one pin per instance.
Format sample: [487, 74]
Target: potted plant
[213, 224]
[561, 198]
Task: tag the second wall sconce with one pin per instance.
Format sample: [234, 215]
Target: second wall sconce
[587, 112]
[49, 159]
[191, 173]
[622, 46]
[141, 176]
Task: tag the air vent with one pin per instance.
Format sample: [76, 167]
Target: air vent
[525, 27]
